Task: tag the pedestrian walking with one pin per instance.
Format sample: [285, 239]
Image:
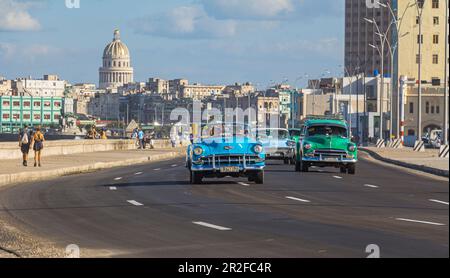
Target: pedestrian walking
[38, 146]
[141, 139]
[25, 139]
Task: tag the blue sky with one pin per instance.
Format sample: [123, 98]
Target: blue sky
[206, 41]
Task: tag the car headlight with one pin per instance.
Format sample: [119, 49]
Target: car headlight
[258, 149]
[352, 148]
[307, 146]
[198, 151]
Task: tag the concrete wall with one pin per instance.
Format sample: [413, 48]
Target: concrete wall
[66, 147]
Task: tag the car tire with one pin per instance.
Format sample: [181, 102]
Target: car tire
[286, 161]
[305, 167]
[259, 177]
[343, 170]
[352, 169]
[196, 178]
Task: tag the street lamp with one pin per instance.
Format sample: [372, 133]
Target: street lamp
[419, 109]
[445, 129]
[381, 53]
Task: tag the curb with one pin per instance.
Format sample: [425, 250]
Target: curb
[422, 168]
[7, 179]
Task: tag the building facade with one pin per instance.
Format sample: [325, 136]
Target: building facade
[116, 69]
[199, 92]
[17, 111]
[48, 86]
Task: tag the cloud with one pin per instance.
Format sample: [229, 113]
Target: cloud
[28, 52]
[248, 9]
[186, 22]
[14, 16]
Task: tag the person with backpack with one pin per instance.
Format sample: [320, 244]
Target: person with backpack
[24, 144]
[38, 140]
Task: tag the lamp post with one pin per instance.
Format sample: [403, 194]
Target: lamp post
[445, 129]
[419, 6]
[381, 53]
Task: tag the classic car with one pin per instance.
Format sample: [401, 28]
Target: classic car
[295, 134]
[225, 150]
[326, 142]
[277, 144]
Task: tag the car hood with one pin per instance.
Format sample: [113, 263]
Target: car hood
[328, 142]
[227, 146]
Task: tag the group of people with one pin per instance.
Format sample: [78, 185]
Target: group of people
[93, 134]
[142, 138]
[31, 139]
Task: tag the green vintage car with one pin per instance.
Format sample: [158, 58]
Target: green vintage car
[325, 142]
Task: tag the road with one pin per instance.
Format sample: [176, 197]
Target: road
[152, 211]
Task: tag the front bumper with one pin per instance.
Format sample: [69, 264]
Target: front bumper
[330, 160]
[217, 163]
[279, 153]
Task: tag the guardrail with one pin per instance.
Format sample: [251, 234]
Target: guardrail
[9, 150]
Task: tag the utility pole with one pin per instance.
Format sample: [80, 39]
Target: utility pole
[446, 80]
[420, 6]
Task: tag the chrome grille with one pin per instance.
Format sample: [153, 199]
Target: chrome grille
[218, 160]
[330, 152]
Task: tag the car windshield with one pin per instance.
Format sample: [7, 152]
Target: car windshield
[266, 134]
[295, 132]
[225, 130]
[327, 130]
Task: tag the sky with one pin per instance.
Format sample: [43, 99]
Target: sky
[205, 41]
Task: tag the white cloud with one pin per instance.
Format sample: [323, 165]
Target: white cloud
[14, 16]
[28, 52]
[249, 9]
[186, 21]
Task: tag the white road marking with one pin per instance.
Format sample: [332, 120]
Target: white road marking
[337, 177]
[112, 188]
[175, 165]
[118, 179]
[371, 186]
[133, 202]
[212, 226]
[297, 199]
[320, 171]
[419, 221]
[157, 169]
[244, 184]
[437, 201]
[138, 173]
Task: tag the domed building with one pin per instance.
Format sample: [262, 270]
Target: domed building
[116, 70]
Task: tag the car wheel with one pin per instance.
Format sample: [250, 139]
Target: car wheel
[352, 169]
[196, 178]
[305, 167]
[259, 177]
[286, 161]
[251, 179]
[343, 170]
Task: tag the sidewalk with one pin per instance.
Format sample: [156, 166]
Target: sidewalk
[427, 161]
[12, 171]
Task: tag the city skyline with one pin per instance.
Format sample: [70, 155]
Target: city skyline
[206, 41]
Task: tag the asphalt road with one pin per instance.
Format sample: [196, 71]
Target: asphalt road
[152, 211]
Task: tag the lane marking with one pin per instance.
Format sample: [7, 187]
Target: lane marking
[138, 173]
[112, 188]
[337, 177]
[439, 202]
[419, 221]
[298, 199]
[118, 179]
[175, 165]
[371, 186]
[133, 202]
[157, 169]
[212, 226]
[244, 184]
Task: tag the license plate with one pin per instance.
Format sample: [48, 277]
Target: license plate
[229, 170]
[275, 154]
[330, 159]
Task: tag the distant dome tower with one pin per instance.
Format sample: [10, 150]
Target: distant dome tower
[116, 69]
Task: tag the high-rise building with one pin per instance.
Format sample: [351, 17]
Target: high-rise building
[116, 70]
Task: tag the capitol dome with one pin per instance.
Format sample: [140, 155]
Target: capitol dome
[116, 49]
[116, 69]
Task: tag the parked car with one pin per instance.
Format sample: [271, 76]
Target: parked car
[225, 150]
[277, 144]
[433, 139]
[326, 142]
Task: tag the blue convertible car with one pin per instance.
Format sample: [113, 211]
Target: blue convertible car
[226, 150]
